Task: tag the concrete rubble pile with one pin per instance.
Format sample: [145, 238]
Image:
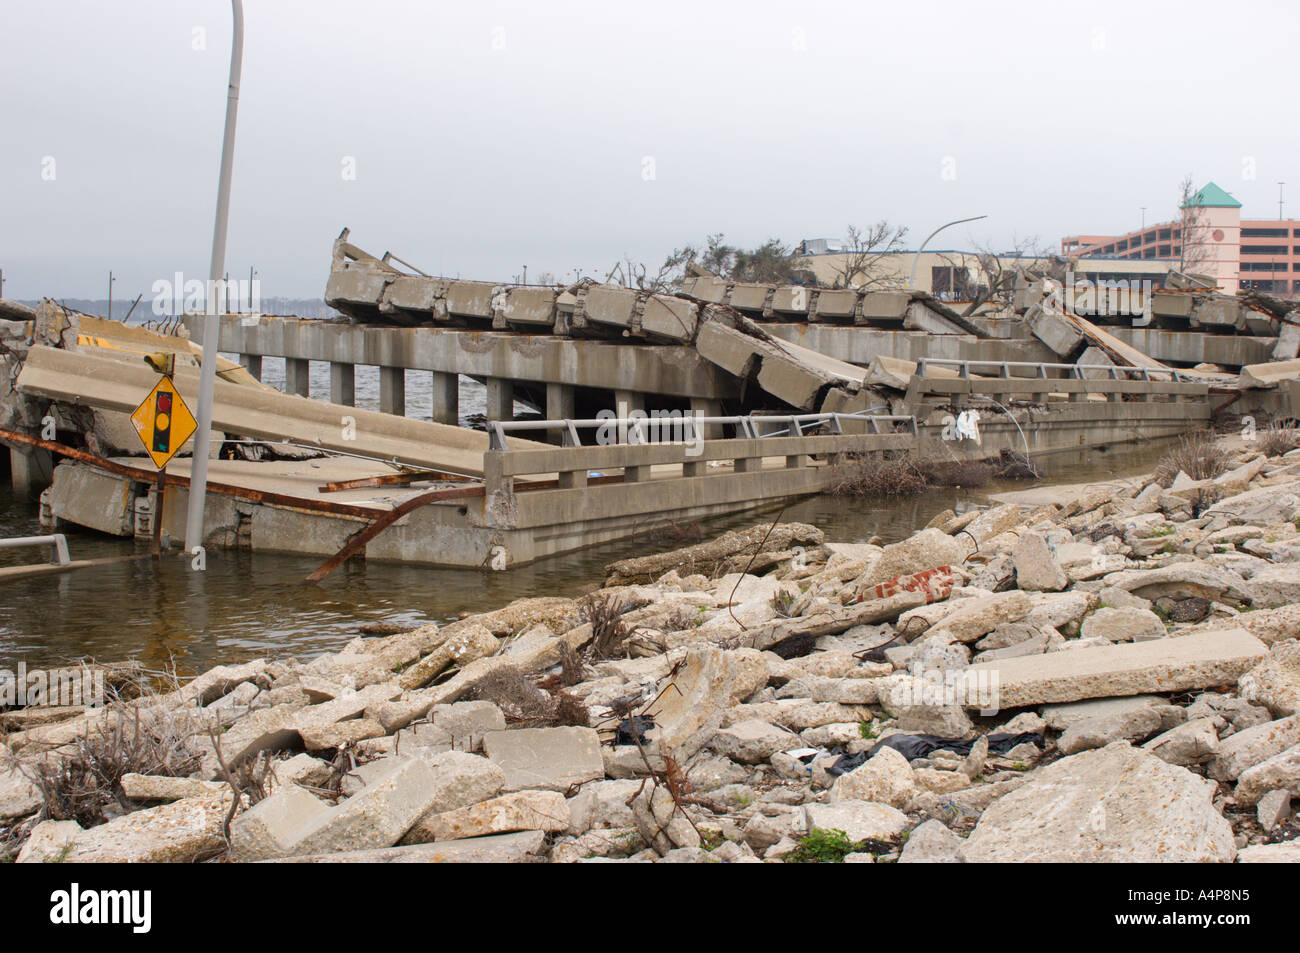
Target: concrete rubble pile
[718, 323]
[1111, 677]
[375, 289]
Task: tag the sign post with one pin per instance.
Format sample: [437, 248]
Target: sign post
[163, 423]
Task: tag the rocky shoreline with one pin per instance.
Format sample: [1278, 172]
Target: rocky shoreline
[1114, 676]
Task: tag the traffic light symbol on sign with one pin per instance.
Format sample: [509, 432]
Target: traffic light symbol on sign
[162, 422]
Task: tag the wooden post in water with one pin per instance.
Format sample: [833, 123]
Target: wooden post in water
[158, 511]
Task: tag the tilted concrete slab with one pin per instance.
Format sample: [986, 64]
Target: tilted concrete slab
[888, 305]
[1194, 347]
[669, 317]
[921, 317]
[610, 305]
[470, 299]
[732, 350]
[1256, 376]
[1055, 330]
[861, 345]
[414, 294]
[357, 287]
[836, 304]
[531, 306]
[1162, 665]
[98, 382]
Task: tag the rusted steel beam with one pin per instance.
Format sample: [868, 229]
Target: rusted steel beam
[359, 540]
[223, 489]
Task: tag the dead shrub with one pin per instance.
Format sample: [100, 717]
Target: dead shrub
[85, 784]
[527, 705]
[609, 632]
[1198, 454]
[880, 479]
[13, 835]
[1278, 438]
[521, 701]
[571, 711]
[1203, 498]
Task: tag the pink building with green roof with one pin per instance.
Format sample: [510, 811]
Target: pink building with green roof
[1263, 254]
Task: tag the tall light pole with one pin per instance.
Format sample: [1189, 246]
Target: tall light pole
[917, 257]
[212, 319]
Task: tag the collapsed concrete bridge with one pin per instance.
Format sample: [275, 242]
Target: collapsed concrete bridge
[767, 417]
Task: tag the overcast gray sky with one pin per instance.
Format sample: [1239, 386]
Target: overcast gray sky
[486, 136]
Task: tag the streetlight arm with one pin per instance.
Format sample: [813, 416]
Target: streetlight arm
[917, 257]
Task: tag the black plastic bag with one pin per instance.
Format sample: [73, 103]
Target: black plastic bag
[912, 747]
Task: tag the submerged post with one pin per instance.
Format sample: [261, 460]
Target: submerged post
[212, 319]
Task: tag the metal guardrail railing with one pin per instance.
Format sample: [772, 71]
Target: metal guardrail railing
[637, 430]
[1114, 371]
[56, 540]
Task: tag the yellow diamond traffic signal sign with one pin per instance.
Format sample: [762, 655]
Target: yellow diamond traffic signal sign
[163, 422]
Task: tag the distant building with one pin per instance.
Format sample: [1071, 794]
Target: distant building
[1263, 254]
[954, 274]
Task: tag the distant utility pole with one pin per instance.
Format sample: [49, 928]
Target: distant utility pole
[110, 295]
[212, 319]
[1280, 187]
[1144, 217]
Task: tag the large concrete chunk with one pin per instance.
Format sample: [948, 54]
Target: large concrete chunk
[861, 820]
[1180, 581]
[1200, 660]
[1256, 376]
[1251, 746]
[180, 832]
[378, 815]
[355, 286]
[94, 499]
[609, 304]
[885, 778]
[733, 351]
[521, 811]
[554, 759]
[1279, 773]
[18, 796]
[669, 317]
[1275, 682]
[928, 549]
[272, 826]
[889, 305]
[709, 682]
[1117, 804]
[1054, 330]
[1262, 506]
[790, 381]
[470, 299]
[972, 619]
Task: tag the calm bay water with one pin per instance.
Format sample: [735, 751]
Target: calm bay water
[251, 604]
